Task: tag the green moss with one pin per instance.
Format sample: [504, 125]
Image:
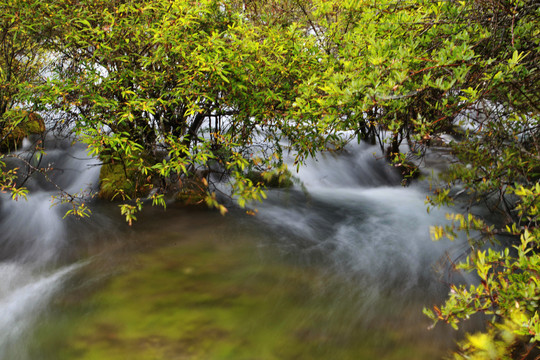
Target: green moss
[192, 191]
[281, 179]
[409, 172]
[33, 123]
[30, 124]
[204, 299]
[118, 182]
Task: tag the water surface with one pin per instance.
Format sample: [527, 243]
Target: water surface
[339, 270]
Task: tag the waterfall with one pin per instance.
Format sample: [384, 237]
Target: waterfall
[23, 296]
[354, 217]
[33, 235]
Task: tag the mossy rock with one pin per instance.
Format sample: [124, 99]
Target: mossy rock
[193, 191]
[409, 171]
[118, 183]
[34, 124]
[31, 124]
[271, 180]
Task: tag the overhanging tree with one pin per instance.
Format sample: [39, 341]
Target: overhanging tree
[166, 91]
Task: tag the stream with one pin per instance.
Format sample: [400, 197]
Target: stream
[338, 267]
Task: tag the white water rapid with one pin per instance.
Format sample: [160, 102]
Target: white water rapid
[33, 237]
[357, 219]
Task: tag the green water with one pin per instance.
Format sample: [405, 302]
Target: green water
[195, 285]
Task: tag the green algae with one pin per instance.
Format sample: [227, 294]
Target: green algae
[203, 290]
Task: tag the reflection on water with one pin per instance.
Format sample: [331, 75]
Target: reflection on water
[339, 272]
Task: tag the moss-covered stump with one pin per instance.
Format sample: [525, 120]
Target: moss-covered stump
[30, 124]
[116, 182]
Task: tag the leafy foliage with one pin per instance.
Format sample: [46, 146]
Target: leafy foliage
[411, 71]
[21, 68]
[172, 90]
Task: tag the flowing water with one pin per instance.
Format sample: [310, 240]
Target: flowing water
[338, 267]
